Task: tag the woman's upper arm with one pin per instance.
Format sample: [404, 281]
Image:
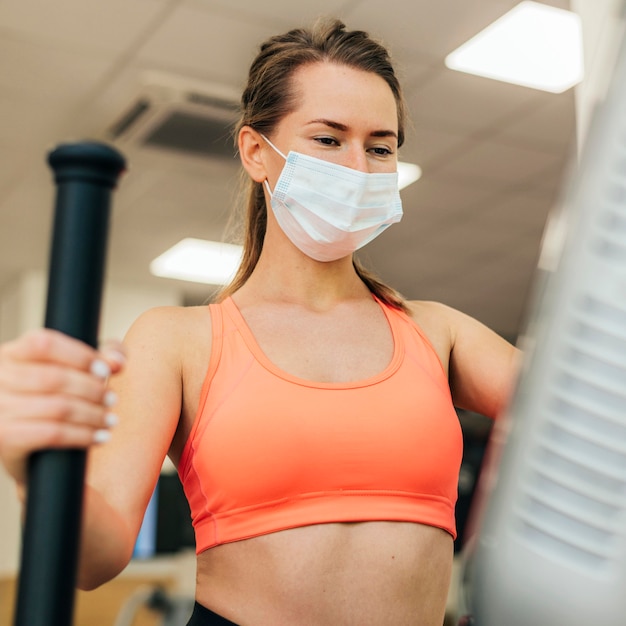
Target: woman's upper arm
[149, 389]
[483, 366]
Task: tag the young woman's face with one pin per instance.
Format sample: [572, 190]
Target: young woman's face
[344, 115]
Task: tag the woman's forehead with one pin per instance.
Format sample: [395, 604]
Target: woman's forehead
[329, 89]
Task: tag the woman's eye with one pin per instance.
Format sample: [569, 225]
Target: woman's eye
[381, 151]
[327, 141]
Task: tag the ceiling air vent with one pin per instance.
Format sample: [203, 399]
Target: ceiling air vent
[170, 113]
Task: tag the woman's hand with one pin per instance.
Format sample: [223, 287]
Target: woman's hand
[53, 394]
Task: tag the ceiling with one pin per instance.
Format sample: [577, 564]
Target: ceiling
[493, 155]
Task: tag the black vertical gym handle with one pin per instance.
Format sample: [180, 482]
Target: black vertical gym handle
[85, 174]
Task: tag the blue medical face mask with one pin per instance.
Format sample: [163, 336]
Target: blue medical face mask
[327, 210]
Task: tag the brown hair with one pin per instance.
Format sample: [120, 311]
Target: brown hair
[269, 96]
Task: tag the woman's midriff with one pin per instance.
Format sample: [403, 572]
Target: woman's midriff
[347, 574]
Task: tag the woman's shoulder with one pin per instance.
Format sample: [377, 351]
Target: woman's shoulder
[174, 318]
[432, 317]
[435, 320]
[170, 329]
[440, 318]
[481, 363]
[429, 308]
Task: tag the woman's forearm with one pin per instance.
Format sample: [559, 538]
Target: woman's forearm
[106, 542]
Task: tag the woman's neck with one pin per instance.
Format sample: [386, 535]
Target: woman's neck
[298, 279]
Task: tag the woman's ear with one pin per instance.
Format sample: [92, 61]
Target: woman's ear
[251, 148]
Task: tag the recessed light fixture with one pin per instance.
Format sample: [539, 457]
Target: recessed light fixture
[199, 261]
[408, 173]
[533, 45]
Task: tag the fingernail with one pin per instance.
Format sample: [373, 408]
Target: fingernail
[101, 436]
[110, 419]
[116, 355]
[110, 398]
[100, 368]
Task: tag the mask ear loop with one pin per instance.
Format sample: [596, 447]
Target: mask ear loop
[265, 182]
[273, 146]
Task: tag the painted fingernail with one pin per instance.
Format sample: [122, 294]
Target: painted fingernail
[110, 398]
[101, 436]
[115, 355]
[110, 419]
[100, 368]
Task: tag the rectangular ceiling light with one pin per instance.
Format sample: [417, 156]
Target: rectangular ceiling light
[199, 261]
[533, 45]
[408, 173]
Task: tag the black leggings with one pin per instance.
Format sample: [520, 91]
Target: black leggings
[202, 616]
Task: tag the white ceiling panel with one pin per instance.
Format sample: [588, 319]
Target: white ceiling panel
[22, 120]
[194, 41]
[160, 196]
[287, 13]
[27, 213]
[429, 28]
[525, 212]
[458, 101]
[84, 25]
[33, 196]
[25, 134]
[428, 145]
[47, 75]
[497, 164]
[548, 127]
[433, 196]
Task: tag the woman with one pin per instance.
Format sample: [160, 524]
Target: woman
[320, 450]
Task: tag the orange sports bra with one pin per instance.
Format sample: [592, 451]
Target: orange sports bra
[269, 451]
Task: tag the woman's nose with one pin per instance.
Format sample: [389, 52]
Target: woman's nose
[357, 160]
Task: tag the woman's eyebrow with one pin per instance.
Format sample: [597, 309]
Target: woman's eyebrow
[330, 124]
[344, 128]
[384, 133]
